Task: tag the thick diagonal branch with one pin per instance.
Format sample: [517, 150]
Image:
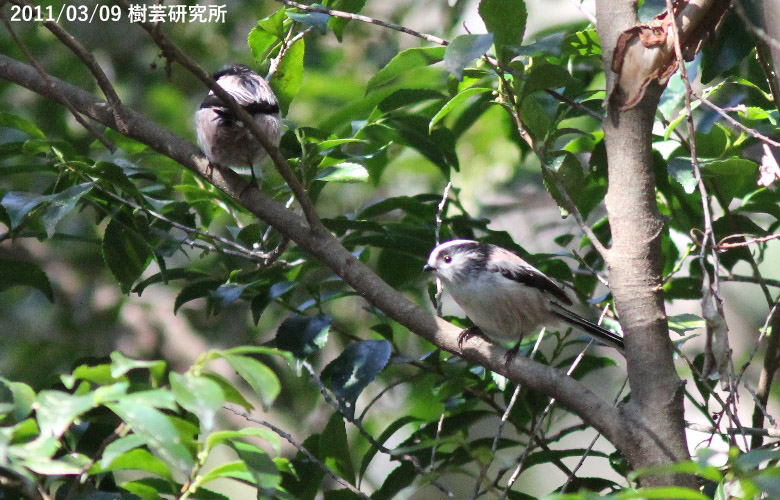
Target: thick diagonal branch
[325, 247]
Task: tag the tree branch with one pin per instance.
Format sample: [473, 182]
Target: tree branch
[568, 392]
[173, 52]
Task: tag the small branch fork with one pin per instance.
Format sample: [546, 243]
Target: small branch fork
[367, 435]
[718, 352]
[298, 446]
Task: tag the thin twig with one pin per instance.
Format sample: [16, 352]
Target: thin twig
[287, 437]
[286, 44]
[758, 135]
[751, 431]
[722, 245]
[590, 17]
[538, 427]
[379, 446]
[436, 442]
[91, 63]
[174, 53]
[717, 329]
[365, 19]
[767, 374]
[439, 219]
[760, 33]
[738, 278]
[494, 447]
[53, 88]
[591, 445]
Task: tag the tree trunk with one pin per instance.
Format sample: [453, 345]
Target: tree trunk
[635, 268]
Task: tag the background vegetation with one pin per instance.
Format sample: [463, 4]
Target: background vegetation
[167, 333]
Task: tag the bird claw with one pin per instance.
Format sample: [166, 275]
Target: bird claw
[511, 354]
[466, 334]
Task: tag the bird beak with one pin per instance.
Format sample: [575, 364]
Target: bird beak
[428, 268]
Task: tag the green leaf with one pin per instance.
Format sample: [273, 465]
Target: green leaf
[274, 23]
[121, 364]
[459, 98]
[346, 172]
[288, 77]
[7, 120]
[231, 393]
[386, 434]
[220, 437]
[57, 467]
[736, 177]
[261, 378]
[61, 204]
[195, 290]
[18, 204]
[438, 146]
[682, 323]
[233, 470]
[317, 19]
[334, 448]
[564, 172]
[355, 368]
[303, 335]
[56, 410]
[583, 43]
[118, 448]
[260, 42]
[337, 24]
[16, 273]
[505, 19]
[18, 400]
[260, 465]
[199, 395]
[138, 459]
[158, 432]
[404, 61]
[545, 76]
[125, 253]
[463, 50]
[733, 43]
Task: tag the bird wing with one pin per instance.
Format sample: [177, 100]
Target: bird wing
[516, 269]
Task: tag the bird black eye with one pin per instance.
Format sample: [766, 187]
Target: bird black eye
[447, 258]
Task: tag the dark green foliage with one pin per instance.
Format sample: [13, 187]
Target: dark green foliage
[375, 127]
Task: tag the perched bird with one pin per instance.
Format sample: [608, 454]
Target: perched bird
[223, 138]
[505, 296]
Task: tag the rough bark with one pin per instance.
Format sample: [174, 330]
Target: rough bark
[635, 264]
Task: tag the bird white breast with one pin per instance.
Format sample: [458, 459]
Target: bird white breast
[503, 309]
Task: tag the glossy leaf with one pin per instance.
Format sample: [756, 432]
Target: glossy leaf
[404, 61]
[288, 77]
[303, 335]
[125, 253]
[356, 367]
[261, 378]
[343, 172]
[505, 19]
[463, 50]
[17, 273]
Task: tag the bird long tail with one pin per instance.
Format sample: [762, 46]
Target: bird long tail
[608, 337]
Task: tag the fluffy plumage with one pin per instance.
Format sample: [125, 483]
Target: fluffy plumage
[505, 296]
[225, 141]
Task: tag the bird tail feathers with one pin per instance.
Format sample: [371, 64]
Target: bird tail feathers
[608, 337]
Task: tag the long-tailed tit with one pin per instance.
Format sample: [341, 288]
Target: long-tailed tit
[223, 138]
[505, 296]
